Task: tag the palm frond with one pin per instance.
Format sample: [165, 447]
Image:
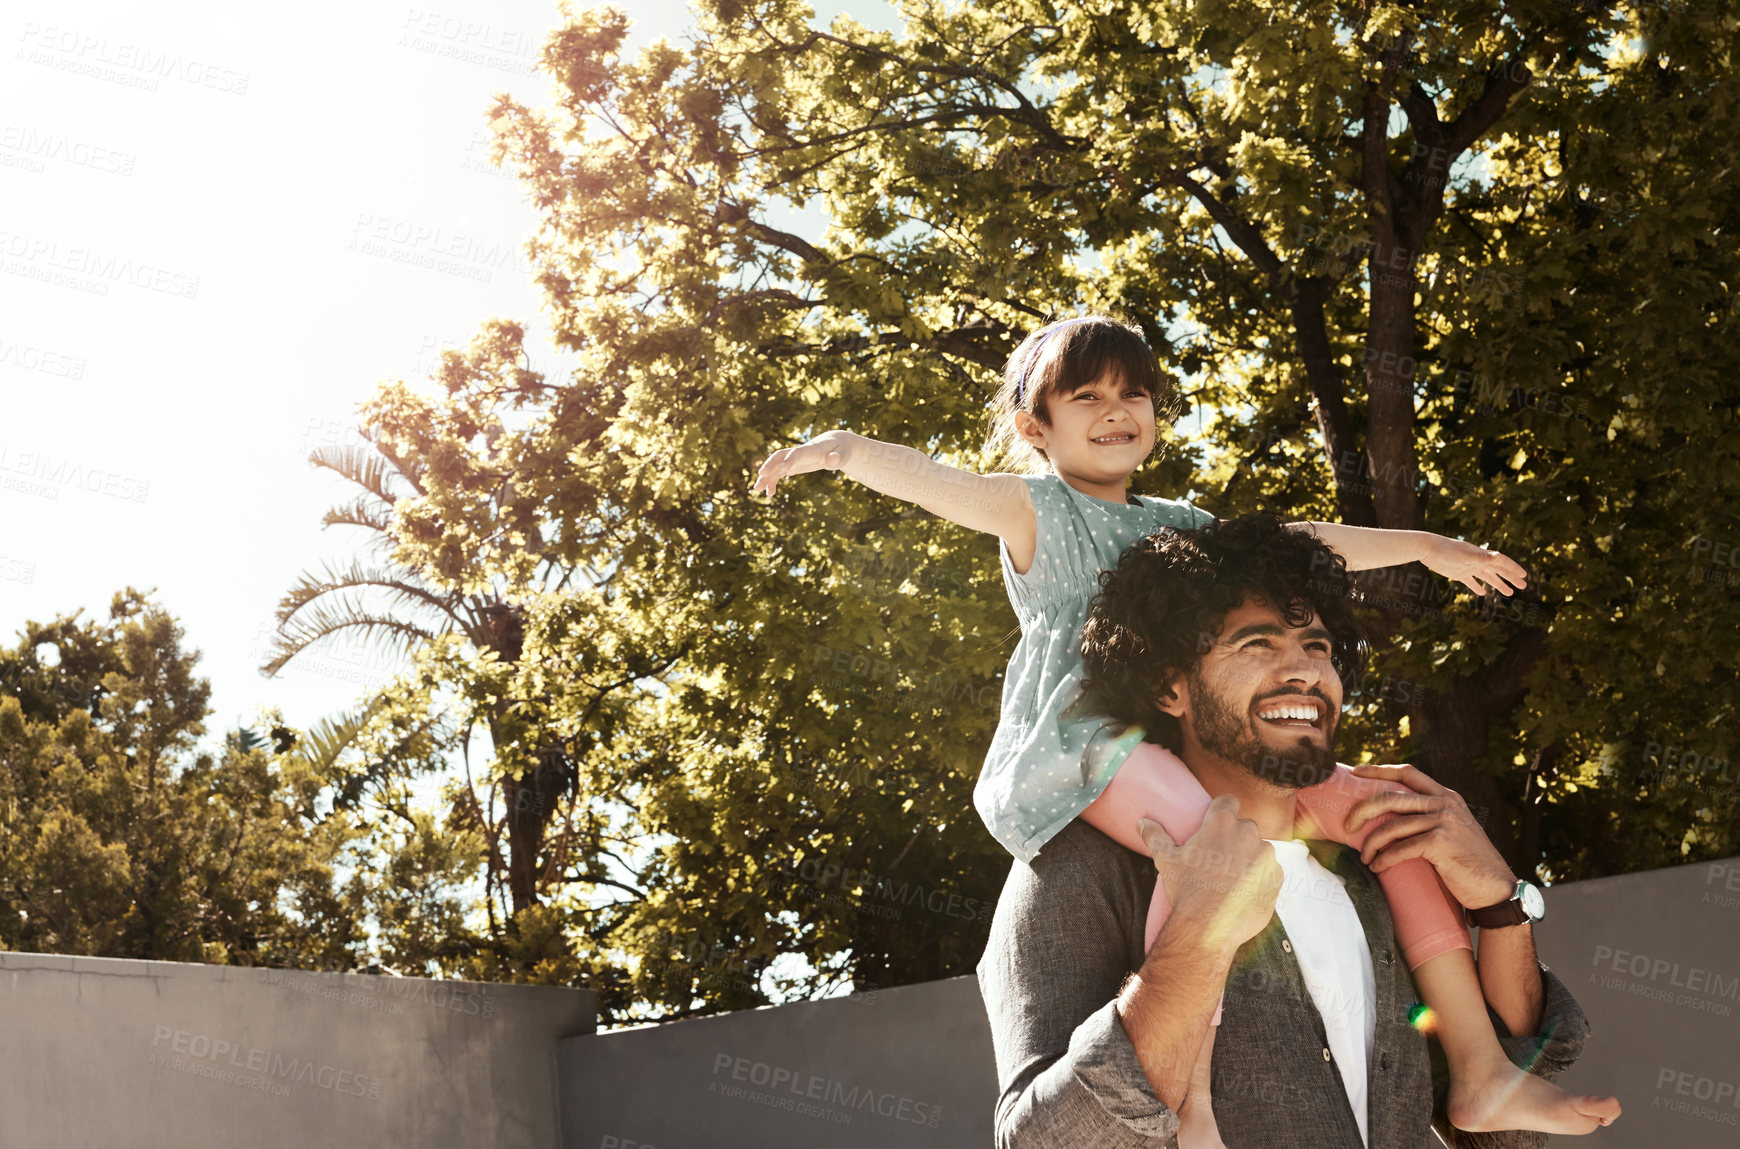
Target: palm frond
[367, 467]
[320, 745]
[322, 622]
[366, 511]
[400, 588]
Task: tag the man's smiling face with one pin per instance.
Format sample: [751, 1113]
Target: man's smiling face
[1265, 697]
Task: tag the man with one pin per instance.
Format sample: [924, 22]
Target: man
[1194, 635]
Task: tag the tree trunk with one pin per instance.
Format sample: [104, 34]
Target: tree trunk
[1454, 726]
[532, 799]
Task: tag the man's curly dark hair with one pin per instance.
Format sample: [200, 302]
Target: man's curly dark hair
[1159, 609]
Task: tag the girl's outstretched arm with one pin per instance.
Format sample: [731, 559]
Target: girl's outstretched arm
[996, 504]
[1365, 548]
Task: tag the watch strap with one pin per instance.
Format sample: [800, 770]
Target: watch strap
[1509, 912]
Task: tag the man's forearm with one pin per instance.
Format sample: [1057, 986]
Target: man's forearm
[1510, 977]
[1165, 1007]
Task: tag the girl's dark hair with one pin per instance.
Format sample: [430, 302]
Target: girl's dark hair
[1159, 610]
[1056, 360]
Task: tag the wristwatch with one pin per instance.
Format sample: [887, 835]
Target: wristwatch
[1526, 905]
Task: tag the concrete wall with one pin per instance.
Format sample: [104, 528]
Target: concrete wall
[1653, 957]
[96, 1052]
[909, 1067]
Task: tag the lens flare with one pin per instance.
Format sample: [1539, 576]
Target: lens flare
[1422, 1017]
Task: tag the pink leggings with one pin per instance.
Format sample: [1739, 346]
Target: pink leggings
[1153, 783]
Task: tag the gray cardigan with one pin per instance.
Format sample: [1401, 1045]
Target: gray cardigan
[1068, 931]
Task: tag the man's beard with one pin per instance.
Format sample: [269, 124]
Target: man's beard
[1221, 731]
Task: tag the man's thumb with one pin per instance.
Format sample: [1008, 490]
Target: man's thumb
[1155, 835]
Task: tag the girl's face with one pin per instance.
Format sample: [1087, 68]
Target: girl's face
[1099, 433]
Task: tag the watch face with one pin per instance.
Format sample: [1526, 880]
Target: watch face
[1533, 904]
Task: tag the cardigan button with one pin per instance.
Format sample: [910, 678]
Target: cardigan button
[1326, 1053]
[1286, 945]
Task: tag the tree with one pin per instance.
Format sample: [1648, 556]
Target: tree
[406, 608]
[1470, 269]
[119, 839]
[462, 576]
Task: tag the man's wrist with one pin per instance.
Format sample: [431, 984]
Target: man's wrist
[1525, 905]
[1502, 888]
[1188, 937]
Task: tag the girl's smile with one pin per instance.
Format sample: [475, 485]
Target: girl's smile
[1096, 437]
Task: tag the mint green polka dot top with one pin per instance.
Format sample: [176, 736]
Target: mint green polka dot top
[1051, 757]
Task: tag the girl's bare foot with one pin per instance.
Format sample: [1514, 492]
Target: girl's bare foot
[1508, 1098]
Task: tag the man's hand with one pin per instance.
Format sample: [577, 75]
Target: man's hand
[1222, 883]
[1434, 823]
[1473, 566]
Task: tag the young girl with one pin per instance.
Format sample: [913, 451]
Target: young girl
[1081, 395]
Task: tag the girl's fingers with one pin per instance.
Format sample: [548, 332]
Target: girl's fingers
[789, 461]
[1507, 568]
[1500, 574]
[772, 471]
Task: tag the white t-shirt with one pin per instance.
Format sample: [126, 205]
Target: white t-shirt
[1329, 944]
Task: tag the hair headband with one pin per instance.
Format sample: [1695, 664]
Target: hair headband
[1021, 381]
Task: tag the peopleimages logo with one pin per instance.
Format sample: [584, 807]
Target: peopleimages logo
[848, 881]
[88, 269]
[36, 148]
[52, 474]
[30, 357]
[434, 248]
[813, 1087]
[137, 65]
[198, 1050]
[1705, 987]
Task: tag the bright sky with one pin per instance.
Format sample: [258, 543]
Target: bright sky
[183, 315]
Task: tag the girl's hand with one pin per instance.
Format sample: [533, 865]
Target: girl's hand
[826, 452]
[1473, 566]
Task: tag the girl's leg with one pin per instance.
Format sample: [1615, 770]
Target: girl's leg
[1153, 783]
[1487, 1092]
[1196, 1124]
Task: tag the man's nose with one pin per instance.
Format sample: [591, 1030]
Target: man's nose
[1301, 665]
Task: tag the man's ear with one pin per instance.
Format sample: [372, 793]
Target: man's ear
[1174, 698]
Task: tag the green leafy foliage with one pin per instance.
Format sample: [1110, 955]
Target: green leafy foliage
[119, 839]
[1471, 270]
